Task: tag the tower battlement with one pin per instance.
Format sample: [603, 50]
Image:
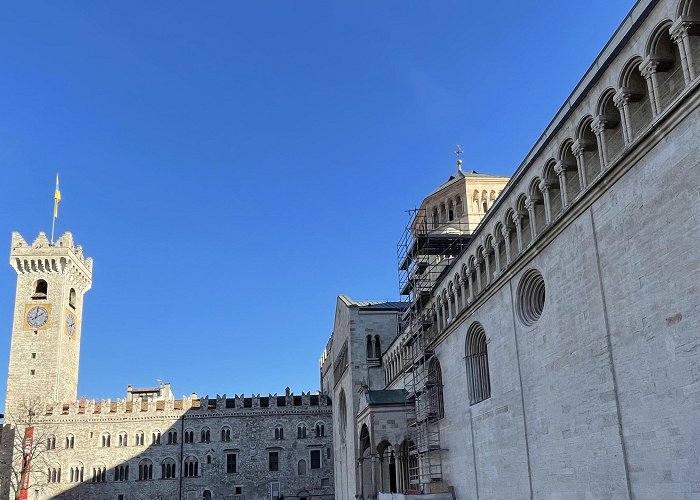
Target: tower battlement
[272, 402]
[61, 257]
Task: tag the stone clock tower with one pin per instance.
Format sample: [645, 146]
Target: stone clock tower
[45, 349]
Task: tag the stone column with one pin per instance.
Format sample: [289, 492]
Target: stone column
[487, 267]
[471, 285]
[598, 128]
[680, 34]
[648, 68]
[560, 170]
[577, 148]
[530, 205]
[622, 100]
[505, 231]
[496, 253]
[544, 187]
[361, 477]
[517, 220]
[478, 273]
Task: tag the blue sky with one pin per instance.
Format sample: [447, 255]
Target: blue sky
[232, 167]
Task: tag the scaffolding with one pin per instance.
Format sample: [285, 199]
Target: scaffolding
[425, 251]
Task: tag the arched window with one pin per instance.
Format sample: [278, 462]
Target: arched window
[301, 467]
[145, 470]
[70, 441]
[189, 436]
[485, 206]
[54, 474]
[301, 431]
[206, 495]
[320, 430]
[226, 434]
[477, 364]
[167, 469]
[342, 416]
[41, 289]
[370, 350]
[121, 473]
[377, 347]
[191, 468]
[172, 437]
[205, 435]
[77, 472]
[155, 437]
[437, 406]
[71, 298]
[279, 432]
[51, 442]
[99, 473]
[123, 438]
[106, 439]
[139, 438]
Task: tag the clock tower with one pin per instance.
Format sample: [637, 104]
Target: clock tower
[52, 280]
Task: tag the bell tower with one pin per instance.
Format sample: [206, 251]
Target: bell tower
[52, 280]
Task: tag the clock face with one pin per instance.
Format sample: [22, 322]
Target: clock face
[70, 324]
[37, 316]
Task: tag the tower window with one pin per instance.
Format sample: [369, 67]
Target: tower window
[33, 355]
[32, 372]
[273, 461]
[41, 290]
[71, 298]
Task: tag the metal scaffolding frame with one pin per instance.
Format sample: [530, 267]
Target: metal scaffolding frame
[425, 251]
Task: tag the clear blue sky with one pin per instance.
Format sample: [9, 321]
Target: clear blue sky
[232, 167]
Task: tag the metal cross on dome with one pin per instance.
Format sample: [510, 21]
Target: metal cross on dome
[458, 154]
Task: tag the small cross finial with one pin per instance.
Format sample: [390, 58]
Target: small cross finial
[458, 154]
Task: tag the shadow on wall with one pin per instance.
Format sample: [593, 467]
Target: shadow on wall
[225, 448]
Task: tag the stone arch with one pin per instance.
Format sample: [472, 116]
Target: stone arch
[587, 151]
[664, 60]
[550, 182]
[476, 355]
[688, 9]
[499, 249]
[490, 254]
[512, 242]
[481, 268]
[436, 409]
[608, 126]
[570, 185]
[634, 92]
[523, 214]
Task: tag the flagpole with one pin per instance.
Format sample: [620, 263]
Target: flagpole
[56, 199]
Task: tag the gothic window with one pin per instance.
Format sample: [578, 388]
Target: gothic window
[320, 430]
[301, 431]
[51, 443]
[106, 438]
[279, 432]
[71, 298]
[205, 435]
[273, 461]
[139, 438]
[189, 436]
[167, 468]
[226, 434]
[145, 470]
[191, 468]
[231, 463]
[370, 349]
[76, 473]
[301, 467]
[155, 437]
[122, 438]
[99, 474]
[54, 474]
[172, 437]
[477, 364]
[121, 473]
[41, 289]
[437, 406]
[377, 347]
[343, 416]
[315, 459]
[70, 441]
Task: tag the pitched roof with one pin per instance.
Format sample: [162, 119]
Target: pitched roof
[372, 305]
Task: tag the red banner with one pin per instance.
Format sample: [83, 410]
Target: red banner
[26, 462]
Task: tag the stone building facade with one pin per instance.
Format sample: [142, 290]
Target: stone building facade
[148, 445]
[553, 351]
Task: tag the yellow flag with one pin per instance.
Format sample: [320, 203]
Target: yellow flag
[56, 199]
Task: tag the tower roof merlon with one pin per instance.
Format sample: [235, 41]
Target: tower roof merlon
[42, 256]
